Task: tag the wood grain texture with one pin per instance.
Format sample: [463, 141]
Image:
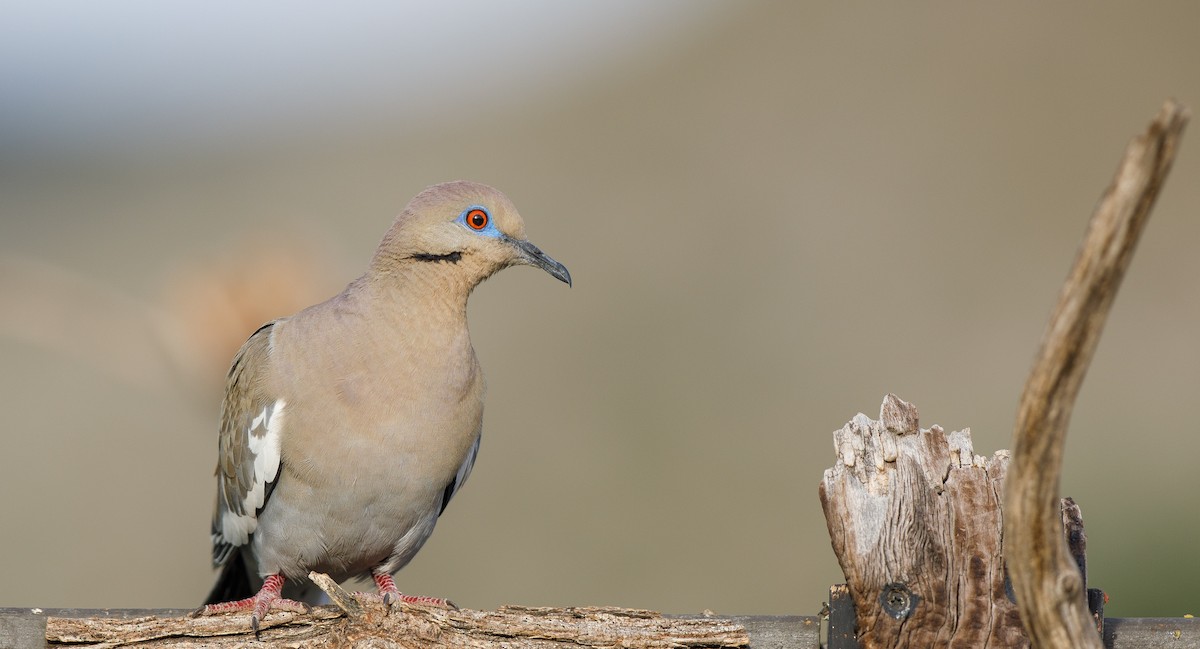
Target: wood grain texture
[24, 628]
[408, 626]
[915, 520]
[1152, 633]
[1048, 586]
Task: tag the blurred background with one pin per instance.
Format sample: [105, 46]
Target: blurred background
[775, 213]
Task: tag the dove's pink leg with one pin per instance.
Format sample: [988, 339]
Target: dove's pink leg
[269, 597]
[389, 593]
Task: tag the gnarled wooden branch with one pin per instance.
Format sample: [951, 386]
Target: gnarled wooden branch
[409, 627]
[1045, 579]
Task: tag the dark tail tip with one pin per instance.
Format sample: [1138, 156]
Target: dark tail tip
[234, 581]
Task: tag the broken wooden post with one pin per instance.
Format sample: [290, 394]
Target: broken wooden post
[915, 520]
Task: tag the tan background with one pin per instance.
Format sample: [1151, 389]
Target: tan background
[774, 214]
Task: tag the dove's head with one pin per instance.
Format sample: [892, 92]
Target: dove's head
[461, 229]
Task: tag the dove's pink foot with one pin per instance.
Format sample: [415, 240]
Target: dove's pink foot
[388, 593]
[269, 597]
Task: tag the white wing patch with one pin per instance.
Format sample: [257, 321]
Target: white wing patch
[263, 441]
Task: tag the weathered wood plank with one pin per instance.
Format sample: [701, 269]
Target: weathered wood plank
[22, 629]
[1152, 633]
[781, 631]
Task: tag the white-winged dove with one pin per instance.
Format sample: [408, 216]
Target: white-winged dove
[347, 427]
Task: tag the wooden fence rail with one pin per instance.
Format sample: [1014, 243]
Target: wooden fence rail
[510, 627]
[23, 628]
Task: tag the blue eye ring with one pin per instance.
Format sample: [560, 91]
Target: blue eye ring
[477, 218]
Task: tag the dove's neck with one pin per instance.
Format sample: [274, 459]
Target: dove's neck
[419, 295]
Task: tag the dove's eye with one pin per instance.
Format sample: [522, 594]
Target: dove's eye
[477, 218]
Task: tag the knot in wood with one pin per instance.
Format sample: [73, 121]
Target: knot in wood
[898, 601]
[1070, 584]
